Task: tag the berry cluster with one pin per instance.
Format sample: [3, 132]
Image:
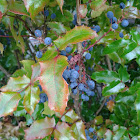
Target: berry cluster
[46, 13]
[90, 132]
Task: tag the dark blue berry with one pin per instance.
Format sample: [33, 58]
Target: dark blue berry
[48, 41]
[74, 91]
[90, 49]
[121, 34]
[81, 86]
[91, 84]
[39, 54]
[73, 85]
[115, 26]
[125, 23]
[38, 33]
[96, 28]
[91, 129]
[40, 87]
[122, 5]
[46, 13]
[76, 67]
[63, 53]
[53, 16]
[87, 56]
[43, 98]
[68, 49]
[113, 20]
[69, 57]
[74, 74]
[110, 14]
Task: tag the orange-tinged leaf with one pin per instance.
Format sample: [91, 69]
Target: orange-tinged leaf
[60, 3]
[31, 98]
[40, 129]
[8, 102]
[110, 105]
[53, 83]
[15, 84]
[63, 132]
[82, 10]
[35, 6]
[77, 34]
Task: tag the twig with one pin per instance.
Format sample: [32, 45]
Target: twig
[108, 63]
[18, 62]
[5, 71]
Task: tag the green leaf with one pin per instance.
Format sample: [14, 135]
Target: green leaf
[57, 27]
[138, 60]
[78, 34]
[49, 54]
[98, 120]
[31, 98]
[47, 110]
[108, 135]
[3, 6]
[40, 129]
[120, 132]
[123, 74]
[18, 8]
[83, 10]
[27, 67]
[113, 88]
[63, 131]
[8, 102]
[15, 84]
[53, 83]
[135, 36]
[78, 129]
[96, 4]
[105, 76]
[137, 105]
[60, 3]
[19, 72]
[116, 45]
[70, 117]
[35, 6]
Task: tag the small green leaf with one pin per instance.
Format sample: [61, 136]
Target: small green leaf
[63, 131]
[8, 102]
[78, 129]
[113, 88]
[96, 4]
[53, 83]
[19, 72]
[78, 34]
[123, 74]
[3, 6]
[70, 116]
[108, 135]
[34, 7]
[135, 36]
[105, 76]
[137, 105]
[15, 84]
[98, 120]
[40, 129]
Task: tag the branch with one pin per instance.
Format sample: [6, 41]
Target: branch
[5, 71]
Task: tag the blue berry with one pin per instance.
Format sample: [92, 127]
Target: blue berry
[48, 40]
[113, 20]
[91, 84]
[84, 97]
[86, 131]
[75, 16]
[63, 52]
[122, 5]
[91, 129]
[72, 80]
[38, 33]
[84, 43]
[69, 57]
[87, 56]
[73, 85]
[90, 49]
[125, 23]
[74, 22]
[43, 98]
[66, 74]
[76, 67]
[121, 34]
[68, 49]
[115, 26]
[53, 16]
[96, 28]
[74, 91]
[90, 93]
[74, 74]
[81, 86]
[46, 13]
[40, 87]
[39, 54]
[110, 14]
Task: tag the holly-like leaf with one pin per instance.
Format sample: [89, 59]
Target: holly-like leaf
[96, 4]
[53, 83]
[40, 129]
[108, 135]
[63, 131]
[3, 6]
[78, 129]
[70, 116]
[18, 8]
[8, 102]
[78, 34]
[31, 98]
[137, 105]
[15, 84]
[57, 27]
[60, 3]
[1, 48]
[123, 74]
[105, 76]
[113, 88]
[83, 10]
[34, 7]
[47, 110]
